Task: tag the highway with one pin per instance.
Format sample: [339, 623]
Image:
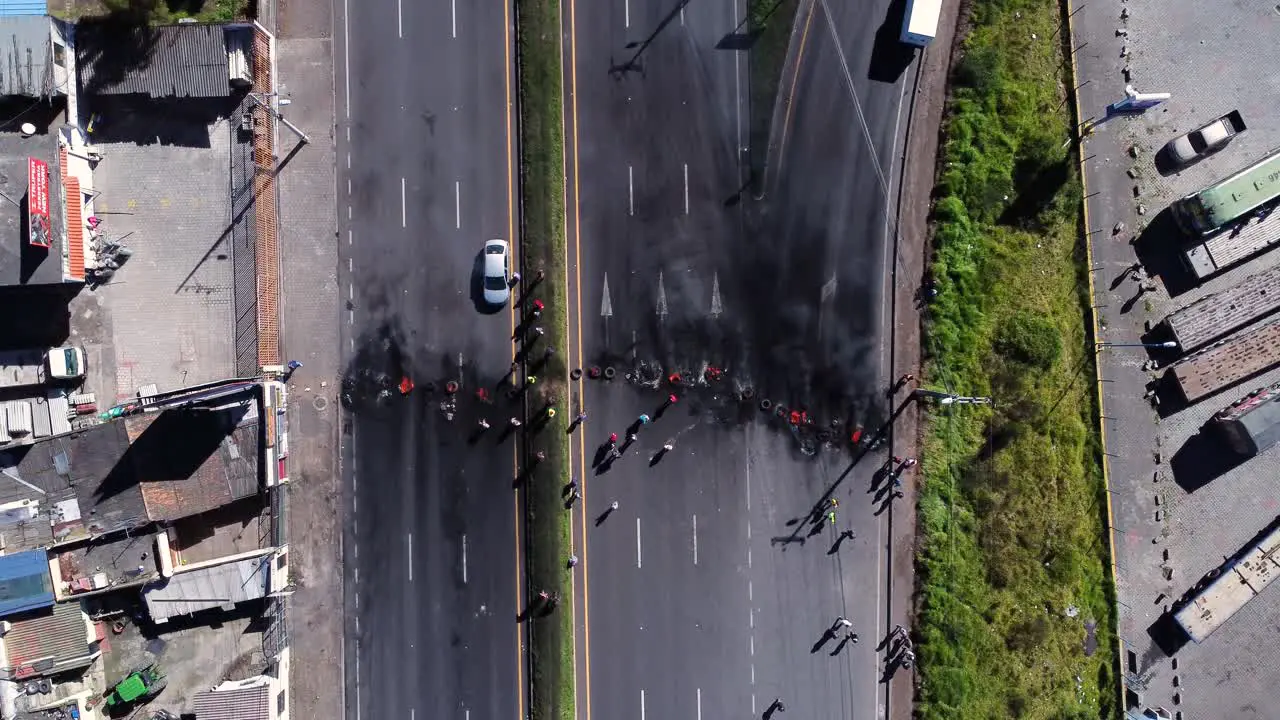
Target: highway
[431, 540]
[709, 589]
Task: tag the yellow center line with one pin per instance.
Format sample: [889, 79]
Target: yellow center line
[511, 318]
[582, 453]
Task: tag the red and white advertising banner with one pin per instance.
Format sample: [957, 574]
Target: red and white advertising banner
[38, 202]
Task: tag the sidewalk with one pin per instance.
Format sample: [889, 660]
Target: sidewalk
[310, 307]
[1170, 527]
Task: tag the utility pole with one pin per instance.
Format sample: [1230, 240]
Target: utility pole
[951, 398]
[258, 98]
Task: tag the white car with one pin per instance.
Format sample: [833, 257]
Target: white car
[497, 272]
[1198, 144]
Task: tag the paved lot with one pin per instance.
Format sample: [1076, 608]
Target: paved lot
[168, 315]
[194, 656]
[1174, 525]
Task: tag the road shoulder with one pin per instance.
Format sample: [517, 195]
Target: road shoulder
[918, 168]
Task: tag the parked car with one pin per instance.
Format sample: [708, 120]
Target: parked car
[497, 272]
[1205, 140]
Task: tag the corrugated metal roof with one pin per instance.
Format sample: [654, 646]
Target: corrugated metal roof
[208, 588]
[24, 582]
[188, 60]
[248, 702]
[48, 641]
[26, 56]
[18, 8]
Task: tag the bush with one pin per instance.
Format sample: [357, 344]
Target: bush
[1030, 339]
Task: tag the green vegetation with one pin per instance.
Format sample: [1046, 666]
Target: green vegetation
[542, 194]
[1013, 507]
[155, 12]
[769, 27]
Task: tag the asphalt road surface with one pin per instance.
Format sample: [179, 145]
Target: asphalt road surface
[425, 159]
[710, 589]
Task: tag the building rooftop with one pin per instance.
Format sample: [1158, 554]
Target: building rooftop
[22, 263]
[240, 527]
[170, 61]
[104, 563]
[16, 8]
[82, 484]
[48, 641]
[193, 461]
[127, 473]
[218, 586]
[26, 55]
[236, 700]
[24, 582]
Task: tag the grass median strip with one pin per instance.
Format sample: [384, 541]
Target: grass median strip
[1017, 603]
[542, 198]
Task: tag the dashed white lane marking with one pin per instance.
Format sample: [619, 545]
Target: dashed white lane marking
[404, 207]
[642, 705]
[695, 539]
[410, 557]
[457, 204]
[631, 192]
[453, 11]
[686, 188]
[637, 542]
[400, 17]
[699, 703]
[627, 13]
[464, 559]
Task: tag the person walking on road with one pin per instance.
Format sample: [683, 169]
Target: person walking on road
[643, 419]
[840, 622]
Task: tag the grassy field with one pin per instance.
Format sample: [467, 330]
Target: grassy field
[1016, 601]
[543, 247]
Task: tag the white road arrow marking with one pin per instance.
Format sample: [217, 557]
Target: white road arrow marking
[606, 305]
[716, 309]
[662, 297]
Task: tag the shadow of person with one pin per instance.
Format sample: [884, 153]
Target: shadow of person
[827, 635]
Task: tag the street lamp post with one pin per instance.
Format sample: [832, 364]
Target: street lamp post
[1167, 344]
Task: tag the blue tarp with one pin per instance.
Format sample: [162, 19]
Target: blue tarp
[18, 8]
[24, 582]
